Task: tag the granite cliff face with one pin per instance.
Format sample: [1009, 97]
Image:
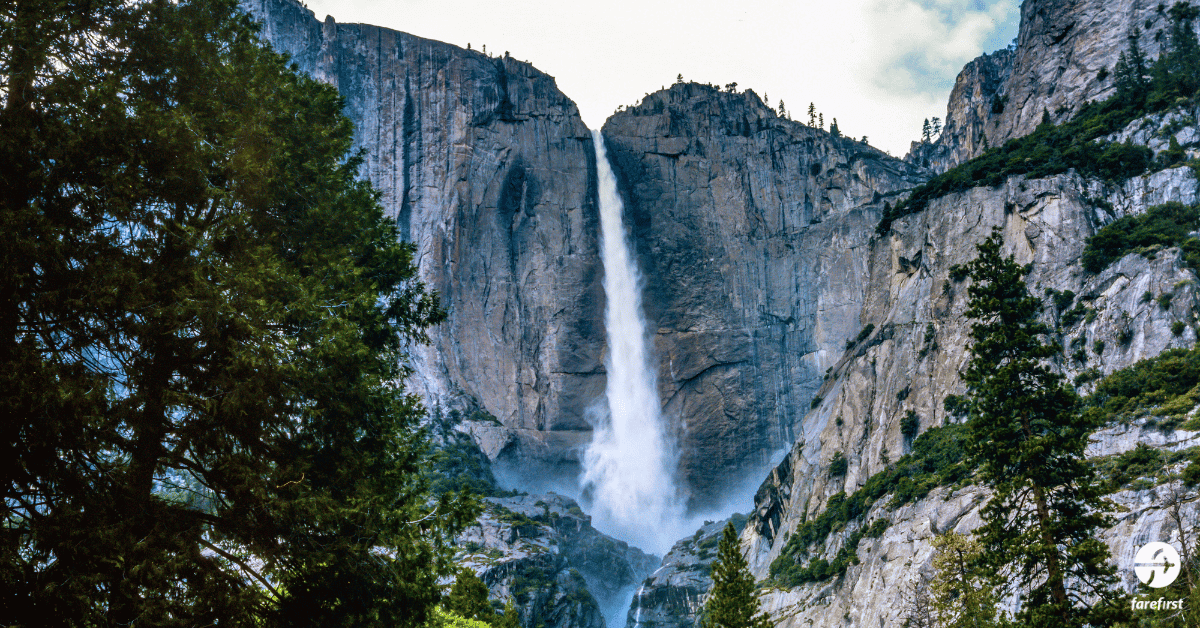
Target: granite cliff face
[1066, 51]
[490, 173]
[751, 234]
[912, 359]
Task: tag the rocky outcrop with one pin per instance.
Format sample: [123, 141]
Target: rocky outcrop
[490, 172]
[1066, 51]
[751, 233]
[912, 358]
[673, 596]
[542, 552]
[975, 102]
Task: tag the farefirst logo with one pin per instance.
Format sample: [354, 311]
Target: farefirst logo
[1161, 604]
[1156, 564]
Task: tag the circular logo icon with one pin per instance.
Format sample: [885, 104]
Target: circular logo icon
[1156, 564]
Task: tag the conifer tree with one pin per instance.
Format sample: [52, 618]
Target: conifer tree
[1129, 74]
[935, 126]
[925, 131]
[469, 598]
[1027, 437]
[202, 316]
[510, 618]
[731, 601]
[833, 129]
[812, 115]
[962, 593]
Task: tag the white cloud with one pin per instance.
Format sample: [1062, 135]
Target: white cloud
[879, 66]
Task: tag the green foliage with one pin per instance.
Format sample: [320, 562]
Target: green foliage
[510, 618]
[1052, 149]
[1086, 377]
[838, 465]
[1177, 328]
[1191, 473]
[963, 596]
[1165, 385]
[1138, 462]
[1062, 300]
[460, 467]
[205, 312]
[862, 335]
[956, 405]
[469, 598]
[910, 424]
[1160, 227]
[731, 602]
[936, 460]
[1049, 150]
[902, 394]
[1026, 435]
[442, 618]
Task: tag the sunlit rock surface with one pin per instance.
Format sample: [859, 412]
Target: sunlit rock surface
[1065, 55]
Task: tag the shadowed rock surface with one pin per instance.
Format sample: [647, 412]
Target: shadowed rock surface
[751, 232]
[490, 173]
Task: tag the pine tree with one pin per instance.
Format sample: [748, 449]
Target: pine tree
[833, 129]
[925, 131]
[1027, 437]
[202, 318]
[962, 595]
[511, 618]
[935, 126]
[731, 601]
[1129, 74]
[782, 110]
[812, 115]
[820, 121]
[469, 598]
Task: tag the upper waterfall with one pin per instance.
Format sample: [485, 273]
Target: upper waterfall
[629, 467]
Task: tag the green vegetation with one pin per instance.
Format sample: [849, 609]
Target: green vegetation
[963, 595]
[910, 424]
[1160, 227]
[1142, 462]
[731, 602]
[862, 335]
[1166, 386]
[936, 460]
[205, 313]
[468, 598]
[1053, 149]
[442, 618]
[1026, 436]
[461, 467]
[838, 465]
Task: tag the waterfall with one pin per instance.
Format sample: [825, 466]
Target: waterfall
[629, 467]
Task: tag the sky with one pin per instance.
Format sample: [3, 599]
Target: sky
[880, 67]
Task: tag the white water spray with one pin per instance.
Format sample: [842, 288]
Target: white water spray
[629, 467]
